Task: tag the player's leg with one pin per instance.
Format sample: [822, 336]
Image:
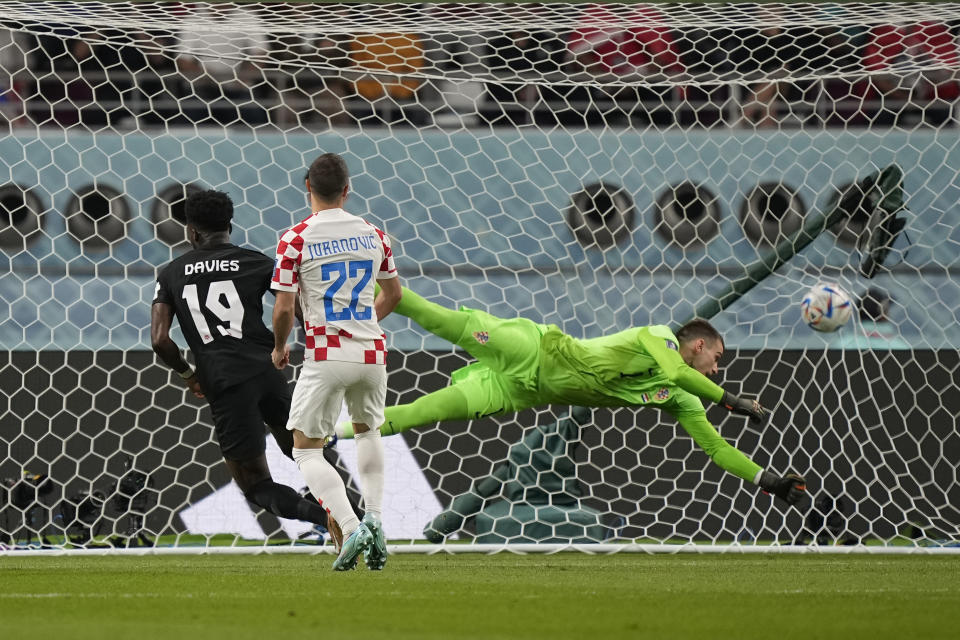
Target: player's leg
[275, 411]
[505, 345]
[284, 440]
[316, 403]
[476, 394]
[274, 408]
[449, 403]
[439, 406]
[438, 320]
[239, 431]
[365, 399]
[253, 478]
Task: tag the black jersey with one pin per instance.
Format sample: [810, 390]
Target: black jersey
[217, 297]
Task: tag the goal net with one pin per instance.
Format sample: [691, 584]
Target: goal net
[596, 167]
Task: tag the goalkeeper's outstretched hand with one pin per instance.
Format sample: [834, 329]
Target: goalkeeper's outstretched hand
[743, 407]
[791, 488]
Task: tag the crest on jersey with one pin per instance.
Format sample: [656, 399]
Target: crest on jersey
[663, 394]
[481, 336]
[672, 345]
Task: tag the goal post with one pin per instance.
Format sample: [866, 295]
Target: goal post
[593, 166]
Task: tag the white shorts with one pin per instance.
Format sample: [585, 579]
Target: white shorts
[323, 388]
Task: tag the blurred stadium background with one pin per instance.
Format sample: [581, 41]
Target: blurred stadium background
[595, 167]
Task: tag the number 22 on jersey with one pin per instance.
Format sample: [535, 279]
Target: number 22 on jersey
[339, 273]
[223, 302]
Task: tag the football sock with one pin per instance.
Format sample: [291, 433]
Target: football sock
[370, 470]
[283, 501]
[344, 430]
[449, 403]
[327, 486]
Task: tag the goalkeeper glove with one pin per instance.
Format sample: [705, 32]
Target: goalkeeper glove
[790, 488]
[743, 406]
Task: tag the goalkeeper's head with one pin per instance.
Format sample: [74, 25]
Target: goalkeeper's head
[209, 215]
[701, 346]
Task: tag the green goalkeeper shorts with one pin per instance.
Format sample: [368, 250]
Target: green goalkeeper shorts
[510, 348]
[488, 393]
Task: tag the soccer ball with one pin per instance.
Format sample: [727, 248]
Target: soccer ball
[826, 307]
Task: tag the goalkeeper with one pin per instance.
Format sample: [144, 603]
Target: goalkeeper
[522, 364]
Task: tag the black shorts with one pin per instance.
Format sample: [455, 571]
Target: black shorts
[240, 412]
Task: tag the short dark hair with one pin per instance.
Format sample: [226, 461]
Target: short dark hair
[209, 210]
[328, 175]
[696, 329]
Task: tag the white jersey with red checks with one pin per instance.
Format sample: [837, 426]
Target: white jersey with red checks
[334, 259]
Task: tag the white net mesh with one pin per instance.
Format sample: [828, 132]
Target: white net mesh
[592, 166]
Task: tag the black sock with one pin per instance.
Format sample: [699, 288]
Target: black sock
[281, 500]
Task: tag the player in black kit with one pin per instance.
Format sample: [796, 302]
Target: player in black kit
[216, 292]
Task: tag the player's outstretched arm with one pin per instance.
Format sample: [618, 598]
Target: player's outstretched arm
[790, 488]
[723, 454]
[161, 317]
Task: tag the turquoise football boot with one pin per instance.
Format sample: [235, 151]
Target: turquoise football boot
[353, 546]
[376, 554]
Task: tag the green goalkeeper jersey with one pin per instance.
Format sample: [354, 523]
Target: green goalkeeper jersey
[639, 366]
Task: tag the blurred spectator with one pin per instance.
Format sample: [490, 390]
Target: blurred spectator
[461, 49]
[706, 56]
[901, 50]
[151, 57]
[519, 54]
[392, 92]
[874, 331]
[13, 67]
[460, 52]
[216, 43]
[311, 94]
[762, 55]
[643, 50]
[645, 47]
[831, 53]
[91, 85]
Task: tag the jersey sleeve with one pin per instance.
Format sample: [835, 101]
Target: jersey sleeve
[663, 347]
[162, 293]
[286, 271]
[723, 454]
[387, 268]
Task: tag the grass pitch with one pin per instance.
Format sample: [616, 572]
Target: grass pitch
[474, 596]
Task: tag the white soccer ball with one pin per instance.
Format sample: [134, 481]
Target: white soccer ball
[826, 307]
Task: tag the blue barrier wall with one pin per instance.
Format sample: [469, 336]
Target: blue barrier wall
[477, 218]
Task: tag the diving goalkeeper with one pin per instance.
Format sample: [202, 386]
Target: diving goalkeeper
[522, 364]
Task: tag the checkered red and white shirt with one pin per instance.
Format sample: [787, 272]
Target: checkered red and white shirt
[334, 259]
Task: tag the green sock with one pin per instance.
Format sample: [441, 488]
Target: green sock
[344, 430]
[449, 403]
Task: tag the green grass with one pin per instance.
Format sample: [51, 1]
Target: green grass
[473, 596]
